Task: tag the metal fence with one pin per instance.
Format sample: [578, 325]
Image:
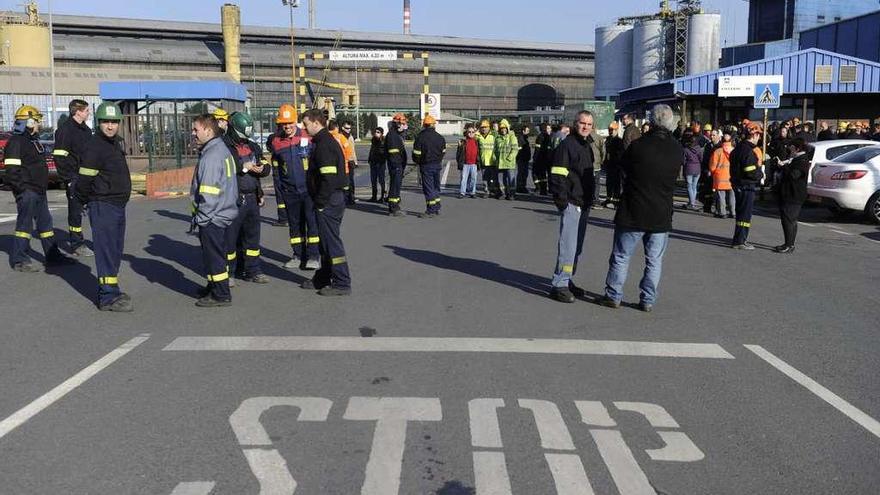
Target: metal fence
[161, 141]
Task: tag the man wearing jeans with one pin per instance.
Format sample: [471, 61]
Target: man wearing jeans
[467, 156]
[571, 184]
[651, 166]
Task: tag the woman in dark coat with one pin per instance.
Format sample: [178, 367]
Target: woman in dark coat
[792, 190]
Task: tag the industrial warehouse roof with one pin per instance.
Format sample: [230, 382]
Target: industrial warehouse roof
[70, 23]
[172, 90]
[797, 68]
[83, 81]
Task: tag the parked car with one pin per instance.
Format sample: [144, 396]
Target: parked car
[850, 182]
[48, 146]
[825, 151]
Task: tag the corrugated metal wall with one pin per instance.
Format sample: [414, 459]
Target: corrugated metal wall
[858, 37]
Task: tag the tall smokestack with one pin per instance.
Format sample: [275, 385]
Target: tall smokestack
[407, 16]
[231, 25]
[312, 14]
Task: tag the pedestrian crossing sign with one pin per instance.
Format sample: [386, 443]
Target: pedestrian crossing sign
[767, 95]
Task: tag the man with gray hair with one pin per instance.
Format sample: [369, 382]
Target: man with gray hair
[651, 166]
[571, 184]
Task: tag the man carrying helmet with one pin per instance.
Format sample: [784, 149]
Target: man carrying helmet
[70, 142]
[428, 151]
[243, 234]
[746, 172]
[395, 152]
[28, 175]
[104, 184]
[290, 150]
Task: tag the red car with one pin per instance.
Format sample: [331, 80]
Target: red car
[54, 178]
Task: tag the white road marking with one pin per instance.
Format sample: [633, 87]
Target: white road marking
[490, 474]
[271, 472]
[840, 232]
[434, 344]
[245, 421]
[569, 475]
[679, 448]
[27, 412]
[485, 431]
[625, 471]
[855, 414]
[194, 488]
[445, 174]
[391, 415]
[807, 224]
[594, 413]
[655, 414]
[551, 427]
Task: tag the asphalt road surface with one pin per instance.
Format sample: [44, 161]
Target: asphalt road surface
[449, 371]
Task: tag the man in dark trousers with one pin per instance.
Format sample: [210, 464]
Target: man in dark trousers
[651, 165]
[327, 180]
[746, 172]
[214, 192]
[523, 157]
[428, 151]
[377, 161]
[792, 191]
[611, 165]
[70, 142]
[395, 153]
[541, 160]
[28, 175]
[104, 184]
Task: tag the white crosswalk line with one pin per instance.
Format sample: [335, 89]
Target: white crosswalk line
[551, 427]
[594, 413]
[490, 474]
[625, 471]
[485, 431]
[656, 415]
[271, 471]
[194, 488]
[569, 475]
[679, 448]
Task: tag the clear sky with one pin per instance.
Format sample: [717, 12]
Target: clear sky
[570, 21]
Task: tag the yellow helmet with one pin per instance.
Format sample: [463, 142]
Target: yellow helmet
[221, 114]
[27, 112]
[485, 123]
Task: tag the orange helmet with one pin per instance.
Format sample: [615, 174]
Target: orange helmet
[613, 125]
[286, 115]
[399, 118]
[429, 120]
[755, 128]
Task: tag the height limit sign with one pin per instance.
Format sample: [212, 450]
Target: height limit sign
[767, 95]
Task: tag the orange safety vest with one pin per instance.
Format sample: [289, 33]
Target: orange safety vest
[719, 165]
[347, 150]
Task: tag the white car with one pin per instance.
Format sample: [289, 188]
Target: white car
[825, 151]
[849, 182]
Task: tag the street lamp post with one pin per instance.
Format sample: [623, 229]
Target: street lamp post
[8, 45]
[51, 68]
[291, 4]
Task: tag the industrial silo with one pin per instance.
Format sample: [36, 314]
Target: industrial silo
[614, 50]
[649, 52]
[704, 43]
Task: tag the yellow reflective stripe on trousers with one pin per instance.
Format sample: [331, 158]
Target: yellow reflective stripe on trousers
[252, 252]
[75, 230]
[230, 256]
[57, 152]
[328, 170]
[391, 152]
[314, 240]
[338, 261]
[23, 235]
[394, 200]
[88, 172]
[46, 235]
[12, 161]
[559, 171]
[417, 152]
[296, 240]
[108, 281]
[749, 168]
[281, 206]
[209, 190]
[218, 277]
[744, 224]
[567, 268]
[433, 201]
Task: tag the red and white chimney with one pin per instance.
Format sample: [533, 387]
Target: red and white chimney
[407, 17]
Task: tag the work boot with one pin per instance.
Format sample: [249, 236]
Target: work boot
[313, 264]
[334, 291]
[210, 302]
[258, 278]
[783, 249]
[608, 302]
[562, 295]
[294, 262]
[577, 291]
[743, 247]
[83, 252]
[122, 304]
[26, 267]
[645, 307]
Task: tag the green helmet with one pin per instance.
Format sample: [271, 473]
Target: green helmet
[242, 124]
[108, 111]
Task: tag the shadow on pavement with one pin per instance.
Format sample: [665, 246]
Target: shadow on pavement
[174, 215]
[78, 276]
[369, 207]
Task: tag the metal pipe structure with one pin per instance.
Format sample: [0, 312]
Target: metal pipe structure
[51, 68]
[407, 17]
[312, 14]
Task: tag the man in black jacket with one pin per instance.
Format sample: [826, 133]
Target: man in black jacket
[395, 153]
[571, 184]
[746, 172]
[793, 191]
[327, 180]
[523, 157]
[542, 158]
[377, 161]
[104, 184]
[70, 142]
[28, 176]
[651, 165]
[428, 151]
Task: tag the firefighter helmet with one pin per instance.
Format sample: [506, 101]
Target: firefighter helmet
[27, 112]
[286, 115]
[241, 124]
[108, 111]
[220, 114]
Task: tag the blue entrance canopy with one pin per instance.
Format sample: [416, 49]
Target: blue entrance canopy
[172, 90]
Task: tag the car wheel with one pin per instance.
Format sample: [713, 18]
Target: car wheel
[872, 209]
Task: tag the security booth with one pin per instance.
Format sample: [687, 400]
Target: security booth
[816, 85]
[157, 117]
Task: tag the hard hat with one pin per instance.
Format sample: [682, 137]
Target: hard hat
[220, 114]
[241, 124]
[108, 111]
[399, 118]
[27, 112]
[707, 127]
[613, 125]
[286, 115]
[485, 124]
[429, 120]
[504, 124]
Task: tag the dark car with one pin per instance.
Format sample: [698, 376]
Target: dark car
[48, 145]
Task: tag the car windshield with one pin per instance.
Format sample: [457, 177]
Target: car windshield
[859, 156]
